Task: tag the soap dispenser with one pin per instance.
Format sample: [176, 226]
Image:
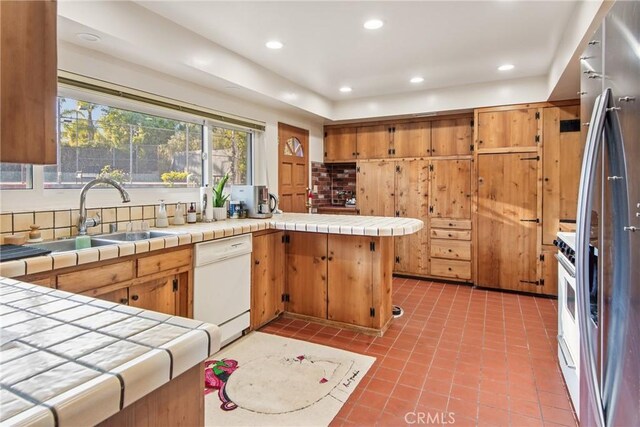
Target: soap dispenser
[178, 218]
[161, 217]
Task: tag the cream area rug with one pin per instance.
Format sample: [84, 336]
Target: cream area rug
[268, 380]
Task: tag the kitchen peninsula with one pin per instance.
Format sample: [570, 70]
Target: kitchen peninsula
[332, 265]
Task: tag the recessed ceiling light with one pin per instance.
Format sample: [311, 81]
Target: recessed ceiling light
[345, 89]
[506, 67]
[274, 44]
[88, 37]
[373, 24]
[416, 79]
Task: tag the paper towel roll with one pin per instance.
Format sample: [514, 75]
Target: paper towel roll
[206, 203]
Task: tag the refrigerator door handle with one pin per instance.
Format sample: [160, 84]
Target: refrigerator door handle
[583, 232]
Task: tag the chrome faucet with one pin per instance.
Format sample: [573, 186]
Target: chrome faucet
[83, 221]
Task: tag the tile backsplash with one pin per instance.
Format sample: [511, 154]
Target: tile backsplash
[61, 223]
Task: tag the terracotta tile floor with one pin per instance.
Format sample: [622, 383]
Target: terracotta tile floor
[468, 356]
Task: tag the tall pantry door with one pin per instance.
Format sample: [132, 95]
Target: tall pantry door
[412, 201]
[375, 182]
[507, 221]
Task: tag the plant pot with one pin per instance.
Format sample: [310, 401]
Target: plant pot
[220, 214]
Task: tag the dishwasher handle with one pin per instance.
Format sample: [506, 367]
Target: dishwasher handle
[222, 249]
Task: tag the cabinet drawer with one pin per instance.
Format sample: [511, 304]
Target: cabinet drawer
[461, 224]
[451, 234]
[162, 262]
[451, 249]
[451, 268]
[91, 278]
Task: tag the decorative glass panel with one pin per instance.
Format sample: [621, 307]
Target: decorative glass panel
[293, 147]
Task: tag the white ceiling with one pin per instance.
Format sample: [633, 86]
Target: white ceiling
[449, 43]
[220, 44]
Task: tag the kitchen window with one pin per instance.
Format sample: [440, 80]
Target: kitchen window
[130, 146]
[231, 150]
[16, 176]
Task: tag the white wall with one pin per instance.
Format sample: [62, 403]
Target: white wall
[96, 65]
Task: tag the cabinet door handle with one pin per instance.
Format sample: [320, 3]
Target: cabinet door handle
[257, 261]
[135, 297]
[330, 258]
[124, 300]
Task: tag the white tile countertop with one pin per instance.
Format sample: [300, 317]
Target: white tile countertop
[193, 233]
[67, 359]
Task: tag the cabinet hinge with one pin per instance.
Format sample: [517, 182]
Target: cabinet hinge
[541, 282]
[471, 147]
[537, 138]
[389, 151]
[325, 134]
[431, 167]
[325, 154]
[358, 169]
[537, 115]
[471, 124]
[397, 168]
[397, 260]
[397, 213]
[372, 246]
[285, 298]
[430, 209]
[176, 285]
[286, 238]
[541, 257]
[389, 129]
[372, 312]
[393, 151]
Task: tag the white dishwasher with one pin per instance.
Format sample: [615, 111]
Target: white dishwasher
[222, 284]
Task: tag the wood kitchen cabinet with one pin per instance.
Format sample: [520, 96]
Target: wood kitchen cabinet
[267, 277]
[374, 142]
[508, 221]
[306, 274]
[158, 281]
[452, 137]
[562, 152]
[339, 278]
[28, 80]
[450, 195]
[511, 128]
[411, 139]
[340, 145]
[359, 280]
[412, 201]
[375, 188]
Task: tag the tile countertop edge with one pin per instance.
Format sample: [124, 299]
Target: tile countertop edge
[190, 343]
[192, 233]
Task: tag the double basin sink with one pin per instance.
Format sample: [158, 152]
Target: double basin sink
[102, 240]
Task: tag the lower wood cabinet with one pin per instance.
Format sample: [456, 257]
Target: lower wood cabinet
[342, 278]
[267, 277]
[158, 281]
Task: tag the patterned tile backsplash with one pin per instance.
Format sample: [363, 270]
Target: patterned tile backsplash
[57, 224]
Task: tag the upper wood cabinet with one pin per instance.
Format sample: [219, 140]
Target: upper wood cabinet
[411, 139]
[509, 129]
[28, 80]
[451, 137]
[340, 145]
[374, 142]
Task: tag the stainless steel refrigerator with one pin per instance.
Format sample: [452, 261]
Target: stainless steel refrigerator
[608, 225]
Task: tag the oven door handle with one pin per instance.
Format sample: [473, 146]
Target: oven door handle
[566, 354]
[570, 269]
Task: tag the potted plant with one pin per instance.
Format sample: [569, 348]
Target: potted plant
[220, 199]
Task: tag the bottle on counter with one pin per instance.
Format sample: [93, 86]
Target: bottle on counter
[161, 217]
[191, 213]
[178, 218]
